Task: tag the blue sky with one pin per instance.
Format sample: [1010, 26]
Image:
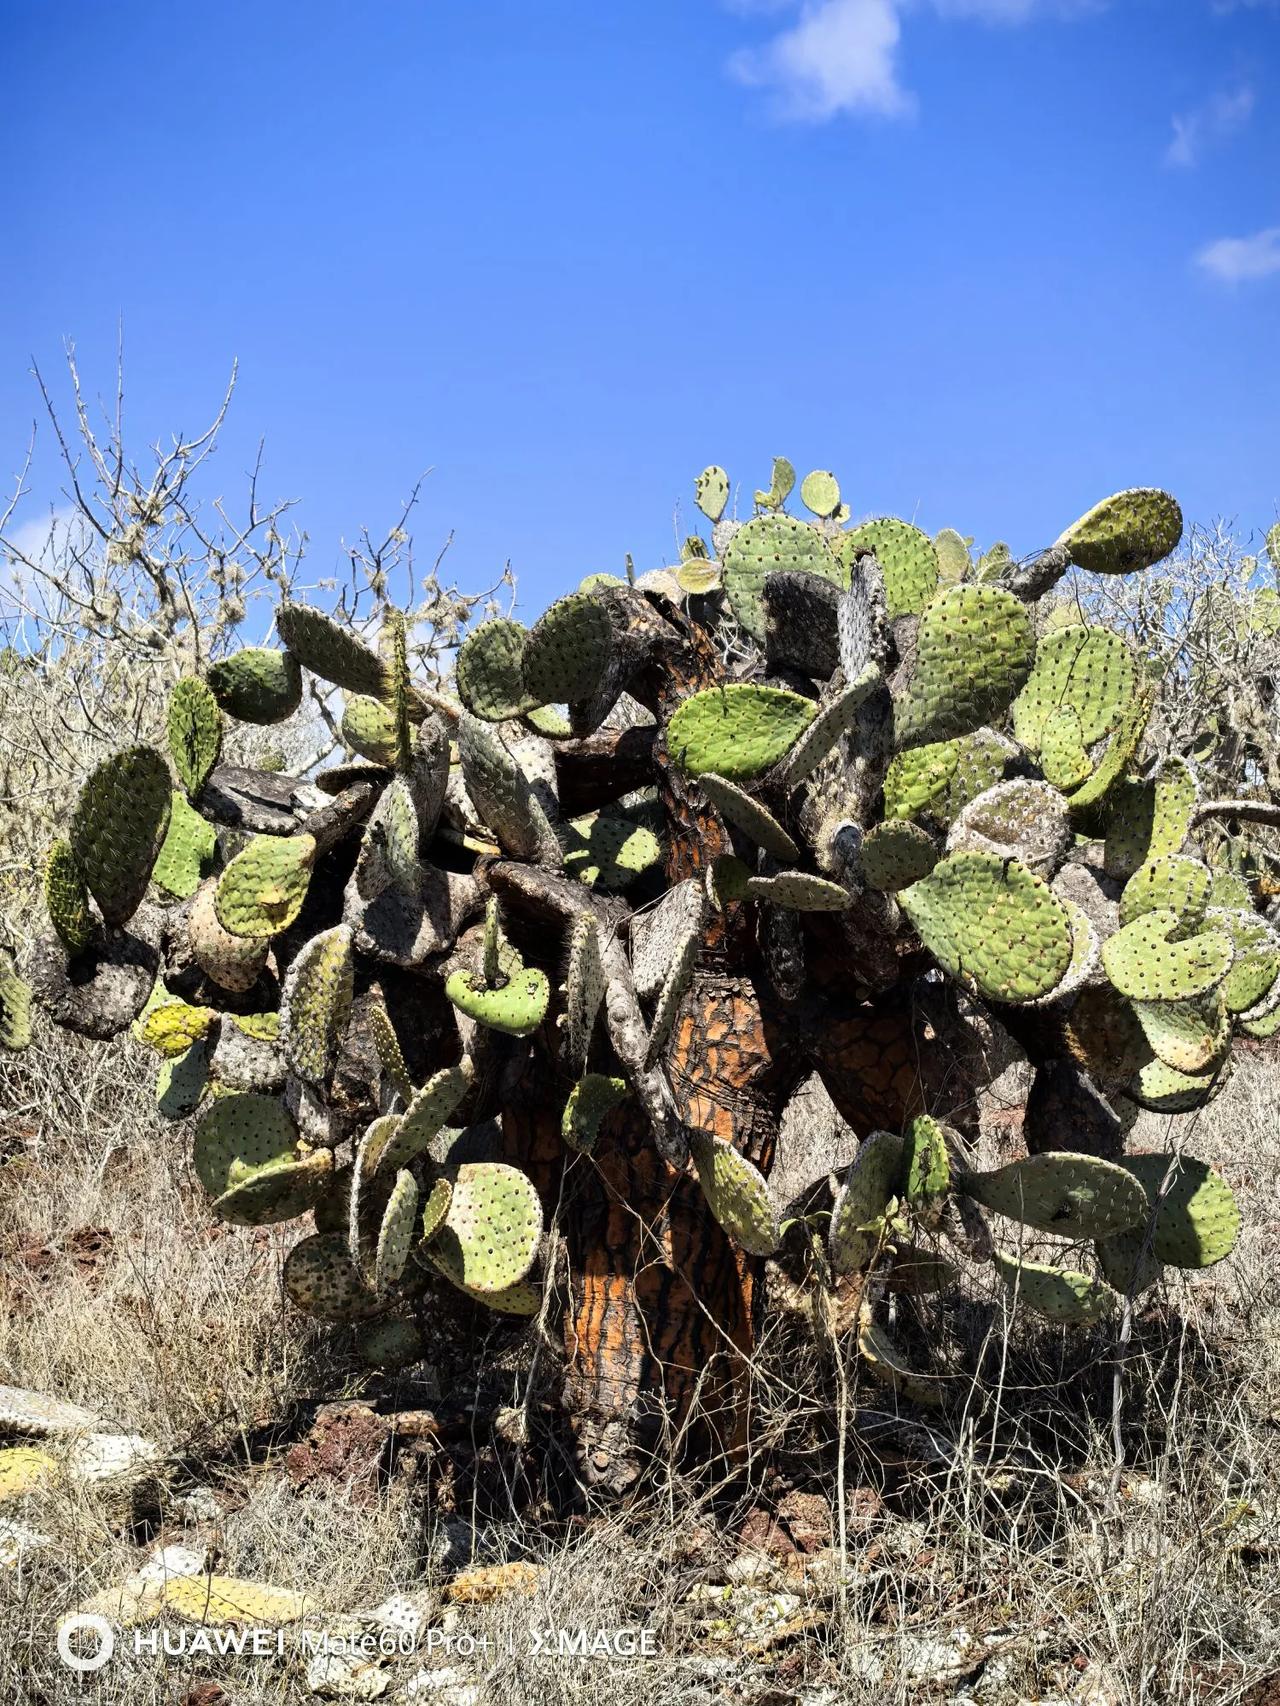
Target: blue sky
[987, 259]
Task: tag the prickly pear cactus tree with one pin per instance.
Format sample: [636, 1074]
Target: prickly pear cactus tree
[572, 944]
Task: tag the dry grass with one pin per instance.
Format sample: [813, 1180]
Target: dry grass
[984, 1562]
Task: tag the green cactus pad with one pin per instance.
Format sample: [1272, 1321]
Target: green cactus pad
[737, 1194]
[264, 1027]
[589, 1101]
[321, 1279]
[1262, 1028]
[973, 652]
[262, 890]
[726, 881]
[698, 575]
[766, 545]
[567, 651]
[835, 719]
[1090, 672]
[233, 962]
[1122, 748]
[391, 1346]
[1126, 532]
[170, 1027]
[435, 1210]
[396, 822]
[118, 826]
[66, 898]
[918, 778]
[1162, 1089]
[546, 721]
[799, 892]
[1059, 1294]
[276, 1193]
[181, 1084]
[660, 934]
[993, 563]
[239, 1135]
[15, 1007]
[371, 1184]
[782, 481]
[897, 853]
[952, 551]
[747, 814]
[1022, 819]
[331, 651]
[488, 672]
[195, 732]
[888, 1367]
[1174, 883]
[187, 852]
[610, 850]
[1064, 758]
[393, 643]
[980, 762]
[316, 1006]
[1255, 962]
[257, 685]
[502, 793]
[918, 1272]
[1076, 1196]
[711, 492]
[684, 955]
[1191, 1036]
[1197, 1220]
[493, 1228]
[820, 493]
[907, 559]
[369, 728]
[737, 731]
[1149, 819]
[993, 925]
[926, 1166]
[522, 1298]
[395, 1236]
[1146, 961]
[1127, 1263]
[517, 1007]
[431, 1106]
[868, 1185]
[387, 1047]
[583, 990]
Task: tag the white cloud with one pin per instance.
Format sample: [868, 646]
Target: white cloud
[1237, 260]
[839, 56]
[1224, 113]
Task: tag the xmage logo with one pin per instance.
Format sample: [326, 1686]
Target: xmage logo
[69, 1650]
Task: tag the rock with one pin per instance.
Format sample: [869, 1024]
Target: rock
[808, 1521]
[763, 1533]
[348, 1443]
[757, 1568]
